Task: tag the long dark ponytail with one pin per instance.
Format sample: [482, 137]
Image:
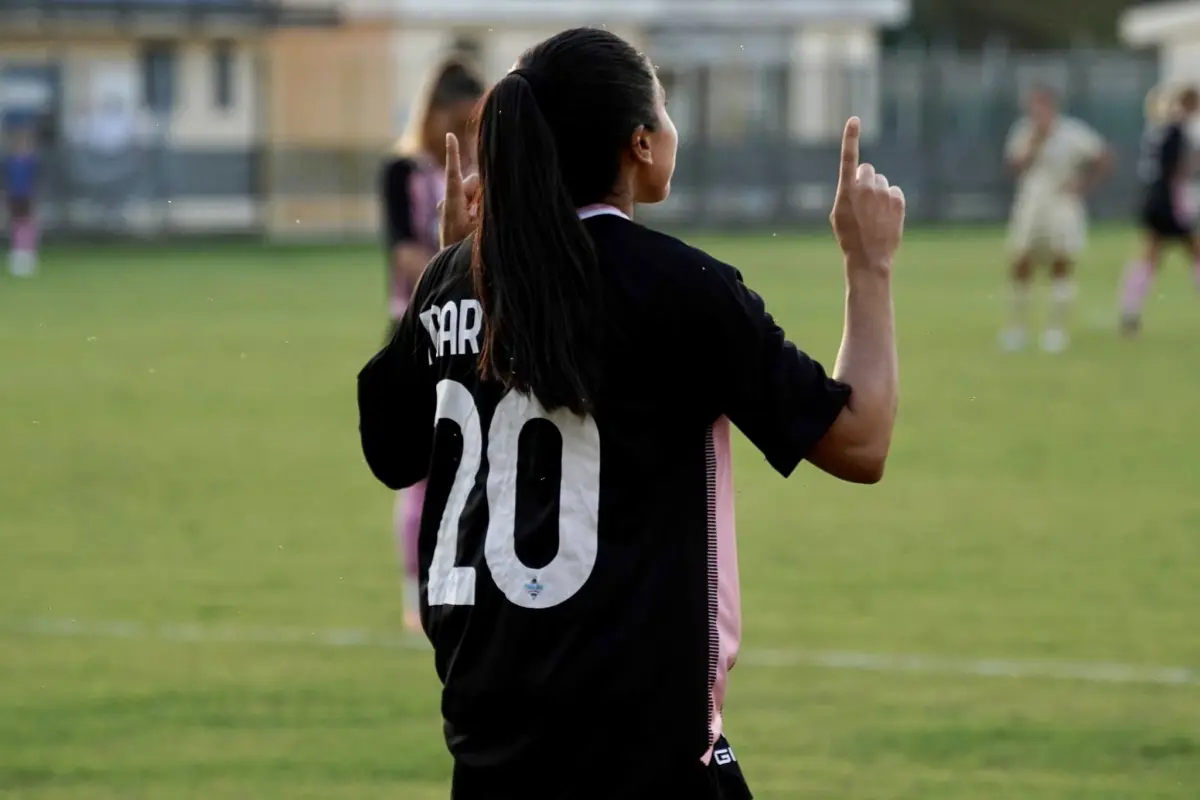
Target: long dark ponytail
[550, 139]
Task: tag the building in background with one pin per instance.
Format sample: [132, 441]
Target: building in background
[272, 116]
[743, 44]
[736, 70]
[1173, 30]
[172, 115]
[153, 108]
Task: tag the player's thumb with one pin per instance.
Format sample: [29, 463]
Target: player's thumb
[471, 187]
[472, 190]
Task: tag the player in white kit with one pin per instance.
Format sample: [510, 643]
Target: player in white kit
[1058, 160]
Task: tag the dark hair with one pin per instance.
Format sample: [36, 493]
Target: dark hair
[551, 133]
[452, 81]
[1189, 98]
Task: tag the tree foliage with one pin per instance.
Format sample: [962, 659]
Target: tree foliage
[1023, 24]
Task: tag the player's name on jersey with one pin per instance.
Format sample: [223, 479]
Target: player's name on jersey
[453, 328]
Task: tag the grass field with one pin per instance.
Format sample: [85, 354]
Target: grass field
[179, 445]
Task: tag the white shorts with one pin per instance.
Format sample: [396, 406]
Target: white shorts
[1047, 226]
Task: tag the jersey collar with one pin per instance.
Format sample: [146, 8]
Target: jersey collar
[601, 210]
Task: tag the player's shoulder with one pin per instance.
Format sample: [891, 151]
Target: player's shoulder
[662, 281]
[1076, 128]
[1021, 126]
[659, 256]
[396, 167]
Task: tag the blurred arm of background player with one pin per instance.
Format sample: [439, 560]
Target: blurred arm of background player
[1098, 160]
[1025, 143]
[868, 220]
[408, 262]
[1098, 169]
[408, 255]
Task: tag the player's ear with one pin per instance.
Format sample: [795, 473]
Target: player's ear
[639, 146]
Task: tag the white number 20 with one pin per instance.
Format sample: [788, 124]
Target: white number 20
[578, 503]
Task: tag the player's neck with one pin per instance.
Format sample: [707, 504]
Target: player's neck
[623, 203]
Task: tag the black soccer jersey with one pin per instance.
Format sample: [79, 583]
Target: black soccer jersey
[578, 575]
[1163, 151]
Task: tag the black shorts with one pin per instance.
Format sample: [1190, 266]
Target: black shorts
[19, 207]
[1161, 216]
[612, 778]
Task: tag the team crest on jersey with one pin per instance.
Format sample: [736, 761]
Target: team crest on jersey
[534, 587]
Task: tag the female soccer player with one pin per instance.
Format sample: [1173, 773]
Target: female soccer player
[566, 379]
[412, 185]
[20, 168]
[1164, 168]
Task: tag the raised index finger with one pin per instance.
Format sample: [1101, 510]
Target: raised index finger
[850, 152]
[453, 166]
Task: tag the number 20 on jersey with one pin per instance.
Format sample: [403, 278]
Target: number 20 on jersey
[579, 502]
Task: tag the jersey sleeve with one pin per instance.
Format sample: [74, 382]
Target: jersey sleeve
[1088, 142]
[779, 397]
[395, 192]
[397, 399]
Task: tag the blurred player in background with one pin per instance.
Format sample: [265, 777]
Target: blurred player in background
[1058, 160]
[1165, 167]
[20, 171]
[566, 379]
[412, 184]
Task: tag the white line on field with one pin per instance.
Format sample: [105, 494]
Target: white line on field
[867, 662]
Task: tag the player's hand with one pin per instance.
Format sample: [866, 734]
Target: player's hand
[868, 214]
[459, 210]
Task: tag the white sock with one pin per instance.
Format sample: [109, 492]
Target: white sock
[412, 595]
[1062, 295]
[21, 262]
[1019, 311]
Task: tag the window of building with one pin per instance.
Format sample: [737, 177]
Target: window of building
[158, 76]
[224, 57]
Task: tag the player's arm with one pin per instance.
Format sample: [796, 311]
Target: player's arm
[1023, 146]
[855, 448]
[1098, 160]
[396, 401]
[783, 400]
[1098, 168]
[408, 256]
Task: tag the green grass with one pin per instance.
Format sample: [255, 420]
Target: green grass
[178, 439]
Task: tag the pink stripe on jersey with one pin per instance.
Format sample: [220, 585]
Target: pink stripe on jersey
[723, 541]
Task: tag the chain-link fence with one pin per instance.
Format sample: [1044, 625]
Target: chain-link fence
[938, 122]
[938, 129]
